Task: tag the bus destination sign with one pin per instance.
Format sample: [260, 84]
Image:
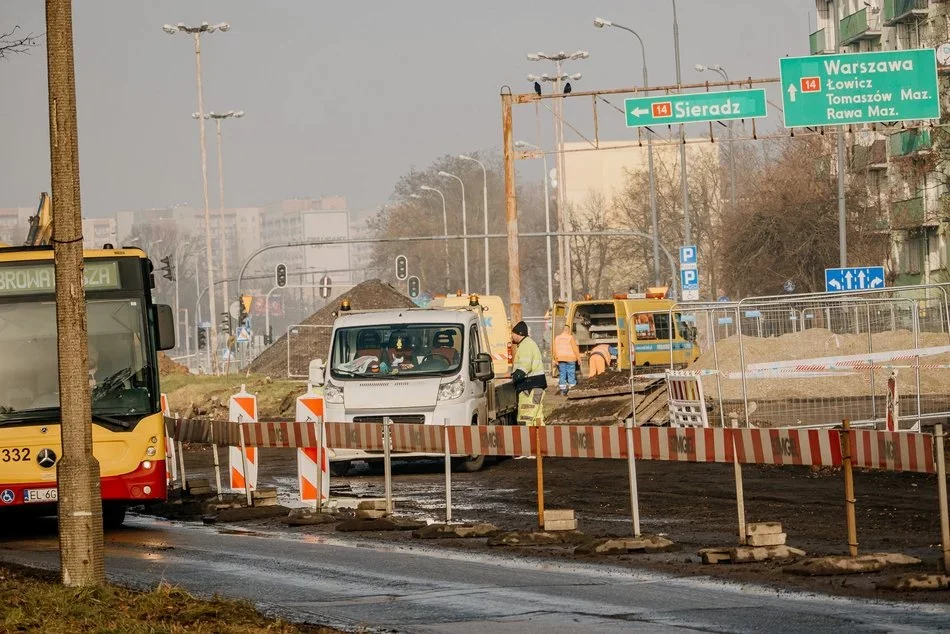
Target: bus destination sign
[32, 278]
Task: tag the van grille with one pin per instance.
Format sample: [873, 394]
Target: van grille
[412, 419]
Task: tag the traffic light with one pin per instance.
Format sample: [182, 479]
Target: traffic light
[325, 286]
[413, 287]
[402, 267]
[168, 268]
[202, 338]
[281, 275]
[244, 308]
[226, 323]
[269, 336]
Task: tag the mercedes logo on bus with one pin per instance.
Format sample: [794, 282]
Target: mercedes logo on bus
[46, 458]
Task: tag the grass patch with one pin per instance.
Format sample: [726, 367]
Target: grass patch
[33, 600]
[207, 395]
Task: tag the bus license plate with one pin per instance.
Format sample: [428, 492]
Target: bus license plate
[39, 495]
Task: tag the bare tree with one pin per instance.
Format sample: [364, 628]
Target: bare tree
[590, 254]
[13, 42]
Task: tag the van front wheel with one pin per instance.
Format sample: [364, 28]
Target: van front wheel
[469, 464]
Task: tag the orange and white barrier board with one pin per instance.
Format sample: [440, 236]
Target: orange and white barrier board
[279, 435]
[421, 438]
[682, 445]
[366, 436]
[243, 409]
[892, 451]
[490, 440]
[686, 400]
[313, 463]
[813, 447]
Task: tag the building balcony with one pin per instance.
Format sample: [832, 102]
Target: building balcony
[869, 157]
[907, 214]
[819, 44]
[896, 11]
[908, 142]
[855, 27]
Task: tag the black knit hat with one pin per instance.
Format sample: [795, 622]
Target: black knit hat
[520, 328]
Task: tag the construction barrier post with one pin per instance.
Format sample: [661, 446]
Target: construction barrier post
[321, 458]
[740, 493]
[849, 489]
[181, 460]
[313, 465]
[632, 474]
[242, 409]
[942, 495]
[448, 471]
[536, 439]
[217, 465]
[171, 462]
[387, 464]
[247, 483]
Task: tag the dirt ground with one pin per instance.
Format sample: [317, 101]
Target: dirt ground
[692, 504]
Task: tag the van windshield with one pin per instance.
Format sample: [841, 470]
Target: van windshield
[388, 350]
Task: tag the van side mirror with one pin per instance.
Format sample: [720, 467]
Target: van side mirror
[483, 368]
[315, 372]
[165, 327]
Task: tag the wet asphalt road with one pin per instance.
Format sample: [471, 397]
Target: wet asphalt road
[421, 589]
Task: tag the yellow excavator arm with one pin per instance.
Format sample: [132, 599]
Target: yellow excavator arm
[41, 225]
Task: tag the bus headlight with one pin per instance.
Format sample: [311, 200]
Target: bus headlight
[453, 390]
[150, 452]
[333, 394]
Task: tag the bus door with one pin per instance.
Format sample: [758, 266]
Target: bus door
[556, 320]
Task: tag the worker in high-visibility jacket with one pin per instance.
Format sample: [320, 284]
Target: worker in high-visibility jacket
[528, 377]
[567, 356]
[599, 360]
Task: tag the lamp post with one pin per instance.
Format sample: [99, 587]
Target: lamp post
[445, 225]
[732, 148]
[547, 214]
[601, 23]
[485, 212]
[196, 32]
[687, 229]
[224, 248]
[464, 226]
[561, 190]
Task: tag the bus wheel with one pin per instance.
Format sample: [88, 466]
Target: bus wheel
[113, 515]
[340, 468]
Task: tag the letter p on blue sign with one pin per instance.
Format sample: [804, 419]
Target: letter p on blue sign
[688, 256]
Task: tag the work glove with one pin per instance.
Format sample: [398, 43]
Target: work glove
[518, 376]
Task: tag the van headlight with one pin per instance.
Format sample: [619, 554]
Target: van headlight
[333, 394]
[453, 390]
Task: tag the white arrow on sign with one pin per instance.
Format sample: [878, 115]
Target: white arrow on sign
[835, 284]
[639, 111]
[847, 278]
[861, 277]
[876, 281]
[791, 92]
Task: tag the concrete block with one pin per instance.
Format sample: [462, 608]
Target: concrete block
[263, 494]
[265, 501]
[763, 528]
[367, 514]
[558, 514]
[371, 505]
[560, 525]
[197, 483]
[381, 524]
[715, 555]
[437, 531]
[770, 539]
[199, 490]
[752, 554]
[623, 545]
[843, 565]
[918, 582]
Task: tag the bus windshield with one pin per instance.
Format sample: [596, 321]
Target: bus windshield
[120, 377]
[387, 350]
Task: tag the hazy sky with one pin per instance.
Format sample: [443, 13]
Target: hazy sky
[341, 97]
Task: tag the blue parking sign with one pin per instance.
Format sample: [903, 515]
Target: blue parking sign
[688, 256]
[689, 279]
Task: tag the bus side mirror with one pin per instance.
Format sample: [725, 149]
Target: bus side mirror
[315, 372]
[165, 325]
[484, 370]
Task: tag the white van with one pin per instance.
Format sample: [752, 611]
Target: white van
[420, 366]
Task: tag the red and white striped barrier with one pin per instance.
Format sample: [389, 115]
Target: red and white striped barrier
[490, 440]
[892, 451]
[812, 447]
[313, 463]
[682, 445]
[686, 401]
[365, 436]
[243, 459]
[871, 360]
[282, 435]
[421, 438]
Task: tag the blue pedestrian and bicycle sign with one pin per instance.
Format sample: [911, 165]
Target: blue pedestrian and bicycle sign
[854, 278]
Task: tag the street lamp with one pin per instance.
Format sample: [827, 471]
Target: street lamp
[687, 230]
[560, 191]
[601, 23]
[196, 32]
[732, 148]
[218, 117]
[464, 226]
[485, 211]
[547, 214]
[445, 225]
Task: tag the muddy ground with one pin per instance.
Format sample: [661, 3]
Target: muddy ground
[692, 504]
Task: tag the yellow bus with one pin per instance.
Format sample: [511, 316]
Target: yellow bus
[643, 321]
[126, 331]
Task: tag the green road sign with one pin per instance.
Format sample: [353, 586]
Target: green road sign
[860, 87]
[695, 107]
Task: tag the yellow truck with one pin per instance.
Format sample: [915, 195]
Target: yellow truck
[641, 321]
[495, 322]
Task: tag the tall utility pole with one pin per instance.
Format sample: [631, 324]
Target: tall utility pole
[464, 226]
[221, 226]
[445, 226]
[687, 230]
[601, 23]
[732, 148]
[484, 211]
[196, 32]
[511, 209]
[547, 212]
[82, 560]
[842, 205]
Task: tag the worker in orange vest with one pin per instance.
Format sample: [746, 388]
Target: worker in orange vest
[567, 357]
[599, 360]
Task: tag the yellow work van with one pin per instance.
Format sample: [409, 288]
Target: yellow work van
[643, 320]
[495, 322]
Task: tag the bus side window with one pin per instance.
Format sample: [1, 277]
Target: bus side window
[662, 323]
[644, 326]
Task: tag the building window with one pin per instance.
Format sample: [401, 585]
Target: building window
[913, 250]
